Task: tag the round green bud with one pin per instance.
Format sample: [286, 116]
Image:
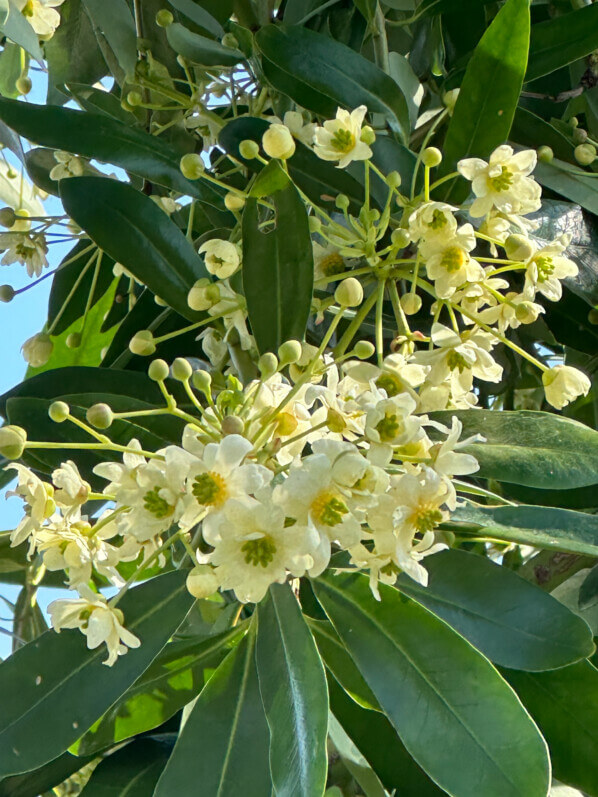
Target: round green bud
[364, 349]
[230, 40]
[232, 424]
[164, 18]
[367, 135]
[142, 343]
[181, 369]
[7, 293]
[249, 149]
[158, 370]
[203, 295]
[59, 411]
[192, 166]
[518, 247]
[545, 154]
[574, 121]
[525, 312]
[411, 303]
[7, 217]
[585, 154]
[100, 416]
[202, 581]
[202, 381]
[450, 99]
[349, 293]
[12, 441]
[233, 201]
[342, 202]
[73, 341]
[431, 156]
[400, 238]
[268, 365]
[315, 225]
[134, 99]
[579, 135]
[23, 84]
[593, 315]
[289, 352]
[393, 179]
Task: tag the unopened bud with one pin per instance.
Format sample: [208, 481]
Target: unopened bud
[315, 225]
[12, 441]
[164, 18]
[23, 85]
[593, 316]
[142, 343]
[342, 202]
[335, 421]
[203, 295]
[7, 293]
[289, 352]
[349, 293]
[202, 381]
[545, 154]
[393, 179]
[525, 312]
[192, 166]
[7, 217]
[574, 121]
[431, 156]
[585, 154]
[367, 135]
[268, 365]
[233, 201]
[59, 411]
[100, 416]
[400, 238]
[158, 370]
[249, 149]
[450, 99]
[202, 581]
[518, 247]
[232, 424]
[364, 349]
[411, 303]
[579, 135]
[38, 350]
[278, 142]
[181, 369]
[134, 98]
[73, 341]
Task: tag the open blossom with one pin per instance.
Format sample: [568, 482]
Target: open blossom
[67, 165]
[340, 139]
[503, 183]
[41, 15]
[221, 257]
[432, 220]
[563, 384]
[28, 249]
[546, 268]
[39, 503]
[449, 262]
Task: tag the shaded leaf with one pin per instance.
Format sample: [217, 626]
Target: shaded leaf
[132, 771]
[199, 49]
[16, 27]
[115, 21]
[561, 40]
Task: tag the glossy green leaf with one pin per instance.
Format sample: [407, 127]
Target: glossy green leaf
[132, 771]
[16, 27]
[534, 449]
[294, 694]
[198, 15]
[173, 679]
[278, 270]
[135, 232]
[508, 619]
[224, 741]
[199, 49]
[320, 74]
[41, 780]
[354, 761]
[561, 40]
[588, 592]
[532, 131]
[47, 700]
[482, 118]
[571, 182]
[115, 22]
[540, 526]
[564, 703]
[446, 701]
[10, 69]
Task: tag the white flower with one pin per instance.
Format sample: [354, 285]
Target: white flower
[448, 261]
[502, 183]
[72, 489]
[328, 262]
[391, 421]
[563, 384]
[301, 131]
[41, 15]
[232, 309]
[432, 220]
[37, 350]
[546, 268]
[339, 139]
[28, 249]
[517, 309]
[100, 622]
[38, 497]
[67, 165]
[253, 548]
[445, 459]
[202, 581]
[221, 257]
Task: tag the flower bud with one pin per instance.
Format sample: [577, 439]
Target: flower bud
[100, 416]
[134, 99]
[230, 40]
[7, 217]
[574, 121]
[202, 381]
[579, 135]
[202, 582]
[160, 302]
[158, 370]
[12, 441]
[518, 247]
[249, 149]
[203, 295]
[431, 156]
[545, 154]
[24, 84]
[335, 421]
[164, 18]
[233, 201]
[342, 202]
[593, 316]
[364, 349]
[411, 303]
[192, 166]
[73, 341]
[367, 135]
[37, 350]
[59, 411]
[393, 179]
[181, 369]
[400, 238]
[289, 352]
[7, 293]
[349, 293]
[142, 343]
[232, 424]
[526, 312]
[278, 142]
[585, 154]
[450, 99]
[315, 225]
[268, 365]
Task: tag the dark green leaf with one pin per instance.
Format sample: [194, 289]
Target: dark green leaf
[354, 761]
[482, 118]
[588, 592]
[199, 15]
[136, 233]
[32, 784]
[540, 526]
[445, 700]
[564, 703]
[320, 74]
[224, 741]
[533, 131]
[508, 619]
[16, 27]
[278, 270]
[48, 702]
[199, 49]
[132, 771]
[561, 40]
[115, 22]
[535, 449]
[569, 181]
[294, 694]
[10, 69]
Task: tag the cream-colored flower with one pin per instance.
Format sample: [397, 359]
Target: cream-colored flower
[39, 500]
[449, 262]
[502, 183]
[221, 257]
[277, 142]
[432, 220]
[563, 384]
[546, 268]
[41, 15]
[300, 130]
[339, 139]
[37, 350]
[391, 421]
[72, 490]
[517, 309]
[328, 262]
[67, 165]
[28, 249]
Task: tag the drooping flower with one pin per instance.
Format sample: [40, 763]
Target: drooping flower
[563, 384]
[221, 257]
[28, 249]
[546, 268]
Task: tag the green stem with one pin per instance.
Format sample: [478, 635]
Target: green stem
[351, 330]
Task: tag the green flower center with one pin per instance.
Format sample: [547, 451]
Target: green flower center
[390, 383]
[343, 140]
[328, 509]
[389, 427]
[156, 505]
[259, 552]
[28, 10]
[209, 489]
[453, 259]
[502, 181]
[456, 361]
[438, 220]
[332, 264]
[425, 519]
[545, 267]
